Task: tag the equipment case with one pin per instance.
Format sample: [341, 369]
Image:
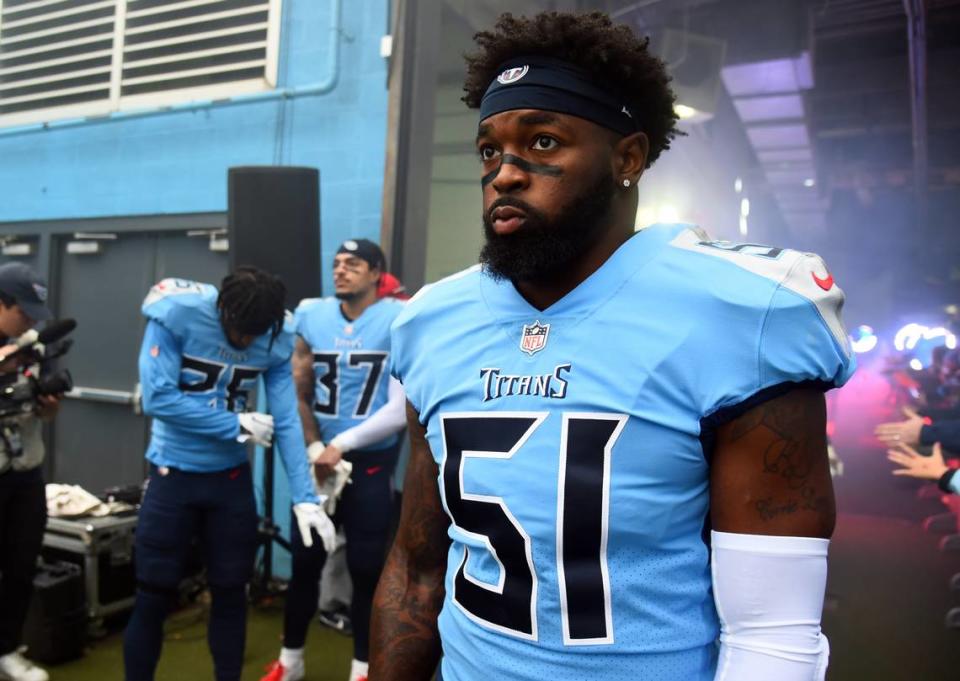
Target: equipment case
[103, 548]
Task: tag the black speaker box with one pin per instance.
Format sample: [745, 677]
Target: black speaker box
[56, 624]
[274, 224]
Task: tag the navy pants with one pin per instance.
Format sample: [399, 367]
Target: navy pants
[23, 516]
[219, 508]
[365, 510]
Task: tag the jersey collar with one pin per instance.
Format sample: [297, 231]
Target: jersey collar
[503, 299]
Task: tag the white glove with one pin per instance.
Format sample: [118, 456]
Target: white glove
[333, 484]
[311, 517]
[257, 427]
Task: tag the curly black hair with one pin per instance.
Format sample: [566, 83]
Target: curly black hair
[252, 301]
[612, 54]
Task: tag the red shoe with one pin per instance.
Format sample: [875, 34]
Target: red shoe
[277, 672]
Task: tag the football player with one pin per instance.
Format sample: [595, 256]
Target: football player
[202, 353]
[348, 401]
[618, 438]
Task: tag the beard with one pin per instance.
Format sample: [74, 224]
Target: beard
[348, 296]
[543, 247]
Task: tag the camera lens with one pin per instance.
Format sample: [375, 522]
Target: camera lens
[59, 382]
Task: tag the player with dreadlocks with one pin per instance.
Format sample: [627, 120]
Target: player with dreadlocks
[202, 353]
[617, 438]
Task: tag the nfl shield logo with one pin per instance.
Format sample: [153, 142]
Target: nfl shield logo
[534, 337]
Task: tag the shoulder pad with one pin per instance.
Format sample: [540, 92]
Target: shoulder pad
[172, 287]
[443, 284]
[803, 273]
[282, 346]
[170, 302]
[450, 290]
[307, 303]
[771, 262]
[289, 322]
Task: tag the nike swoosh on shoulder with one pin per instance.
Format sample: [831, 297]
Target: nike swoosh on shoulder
[826, 283]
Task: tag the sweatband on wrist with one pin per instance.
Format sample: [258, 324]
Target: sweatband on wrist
[944, 482]
[769, 595]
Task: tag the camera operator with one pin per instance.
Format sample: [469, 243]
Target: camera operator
[23, 508]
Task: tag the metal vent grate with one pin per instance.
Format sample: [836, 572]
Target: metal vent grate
[68, 58]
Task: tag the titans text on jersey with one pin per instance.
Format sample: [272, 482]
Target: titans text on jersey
[577, 524]
[351, 361]
[199, 382]
[497, 384]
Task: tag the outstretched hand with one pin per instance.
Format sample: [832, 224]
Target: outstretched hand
[915, 465]
[905, 432]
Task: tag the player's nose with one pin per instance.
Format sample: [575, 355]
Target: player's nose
[510, 178]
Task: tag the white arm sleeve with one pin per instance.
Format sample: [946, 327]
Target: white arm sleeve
[385, 421]
[769, 595]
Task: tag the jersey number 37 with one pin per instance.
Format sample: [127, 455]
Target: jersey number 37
[327, 366]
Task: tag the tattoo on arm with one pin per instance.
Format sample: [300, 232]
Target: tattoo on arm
[304, 380]
[404, 641]
[771, 473]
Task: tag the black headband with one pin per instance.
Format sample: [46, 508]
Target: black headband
[365, 250]
[554, 85]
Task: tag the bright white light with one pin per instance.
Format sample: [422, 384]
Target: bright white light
[646, 215]
[738, 185]
[916, 364]
[866, 339]
[809, 182]
[684, 112]
[864, 344]
[908, 337]
[745, 207]
[939, 332]
[668, 213]
[743, 225]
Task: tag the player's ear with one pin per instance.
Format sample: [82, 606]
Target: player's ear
[630, 157]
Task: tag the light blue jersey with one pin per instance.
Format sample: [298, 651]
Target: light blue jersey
[571, 446]
[195, 382]
[351, 360]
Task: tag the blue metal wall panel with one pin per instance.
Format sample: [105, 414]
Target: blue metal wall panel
[176, 161]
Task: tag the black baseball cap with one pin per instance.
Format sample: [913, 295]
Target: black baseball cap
[28, 290]
[365, 250]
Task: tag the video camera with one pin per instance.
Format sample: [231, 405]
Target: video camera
[19, 390]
